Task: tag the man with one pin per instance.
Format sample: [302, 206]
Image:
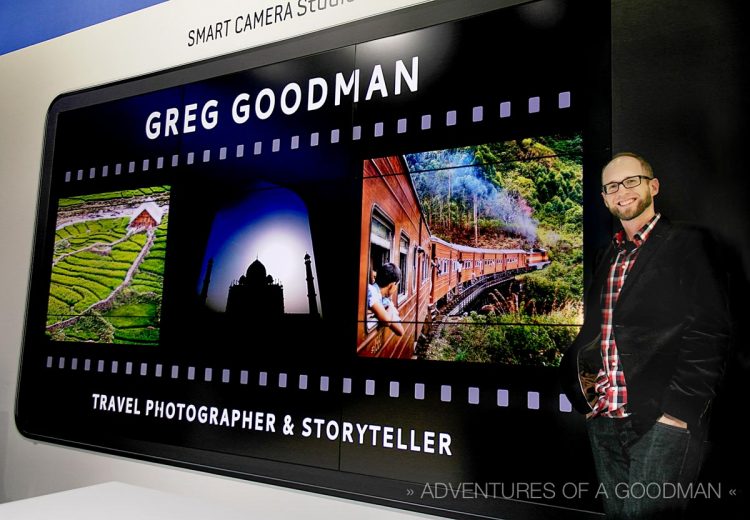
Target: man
[654, 337]
[379, 294]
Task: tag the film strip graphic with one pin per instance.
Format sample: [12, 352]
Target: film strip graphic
[285, 380]
[334, 136]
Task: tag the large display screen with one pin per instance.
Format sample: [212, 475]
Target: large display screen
[349, 269]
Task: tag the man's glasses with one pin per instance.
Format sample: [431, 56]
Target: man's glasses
[628, 182]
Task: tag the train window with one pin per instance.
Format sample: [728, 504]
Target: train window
[425, 268]
[403, 264]
[381, 240]
[414, 269]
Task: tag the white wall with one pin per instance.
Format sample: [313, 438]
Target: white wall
[146, 41]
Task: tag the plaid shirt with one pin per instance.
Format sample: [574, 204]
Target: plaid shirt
[610, 381]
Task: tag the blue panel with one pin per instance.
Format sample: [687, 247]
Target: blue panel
[27, 22]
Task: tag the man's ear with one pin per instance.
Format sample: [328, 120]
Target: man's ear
[654, 186]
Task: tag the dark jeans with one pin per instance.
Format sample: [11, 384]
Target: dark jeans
[643, 475]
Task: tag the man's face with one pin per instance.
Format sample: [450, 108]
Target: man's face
[628, 203]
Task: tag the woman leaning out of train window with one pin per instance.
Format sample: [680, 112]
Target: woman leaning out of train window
[379, 295]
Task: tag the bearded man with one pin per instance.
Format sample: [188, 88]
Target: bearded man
[645, 365]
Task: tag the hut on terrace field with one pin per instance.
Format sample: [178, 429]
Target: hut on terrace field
[146, 216]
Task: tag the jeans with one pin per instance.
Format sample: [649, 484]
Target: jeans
[641, 473]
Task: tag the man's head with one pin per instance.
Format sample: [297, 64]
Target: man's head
[387, 274]
[628, 188]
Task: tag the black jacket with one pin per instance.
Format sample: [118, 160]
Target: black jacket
[671, 325]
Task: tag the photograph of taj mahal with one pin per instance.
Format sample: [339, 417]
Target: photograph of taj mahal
[259, 263]
[258, 294]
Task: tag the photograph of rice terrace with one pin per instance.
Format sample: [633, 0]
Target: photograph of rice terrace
[108, 267]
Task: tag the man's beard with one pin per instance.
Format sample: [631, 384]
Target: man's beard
[631, 213]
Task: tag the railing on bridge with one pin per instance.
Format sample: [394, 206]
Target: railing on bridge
[469, 294]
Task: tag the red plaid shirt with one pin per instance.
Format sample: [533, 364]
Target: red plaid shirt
[610, 381]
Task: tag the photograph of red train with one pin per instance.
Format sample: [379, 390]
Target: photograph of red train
[486, 242]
